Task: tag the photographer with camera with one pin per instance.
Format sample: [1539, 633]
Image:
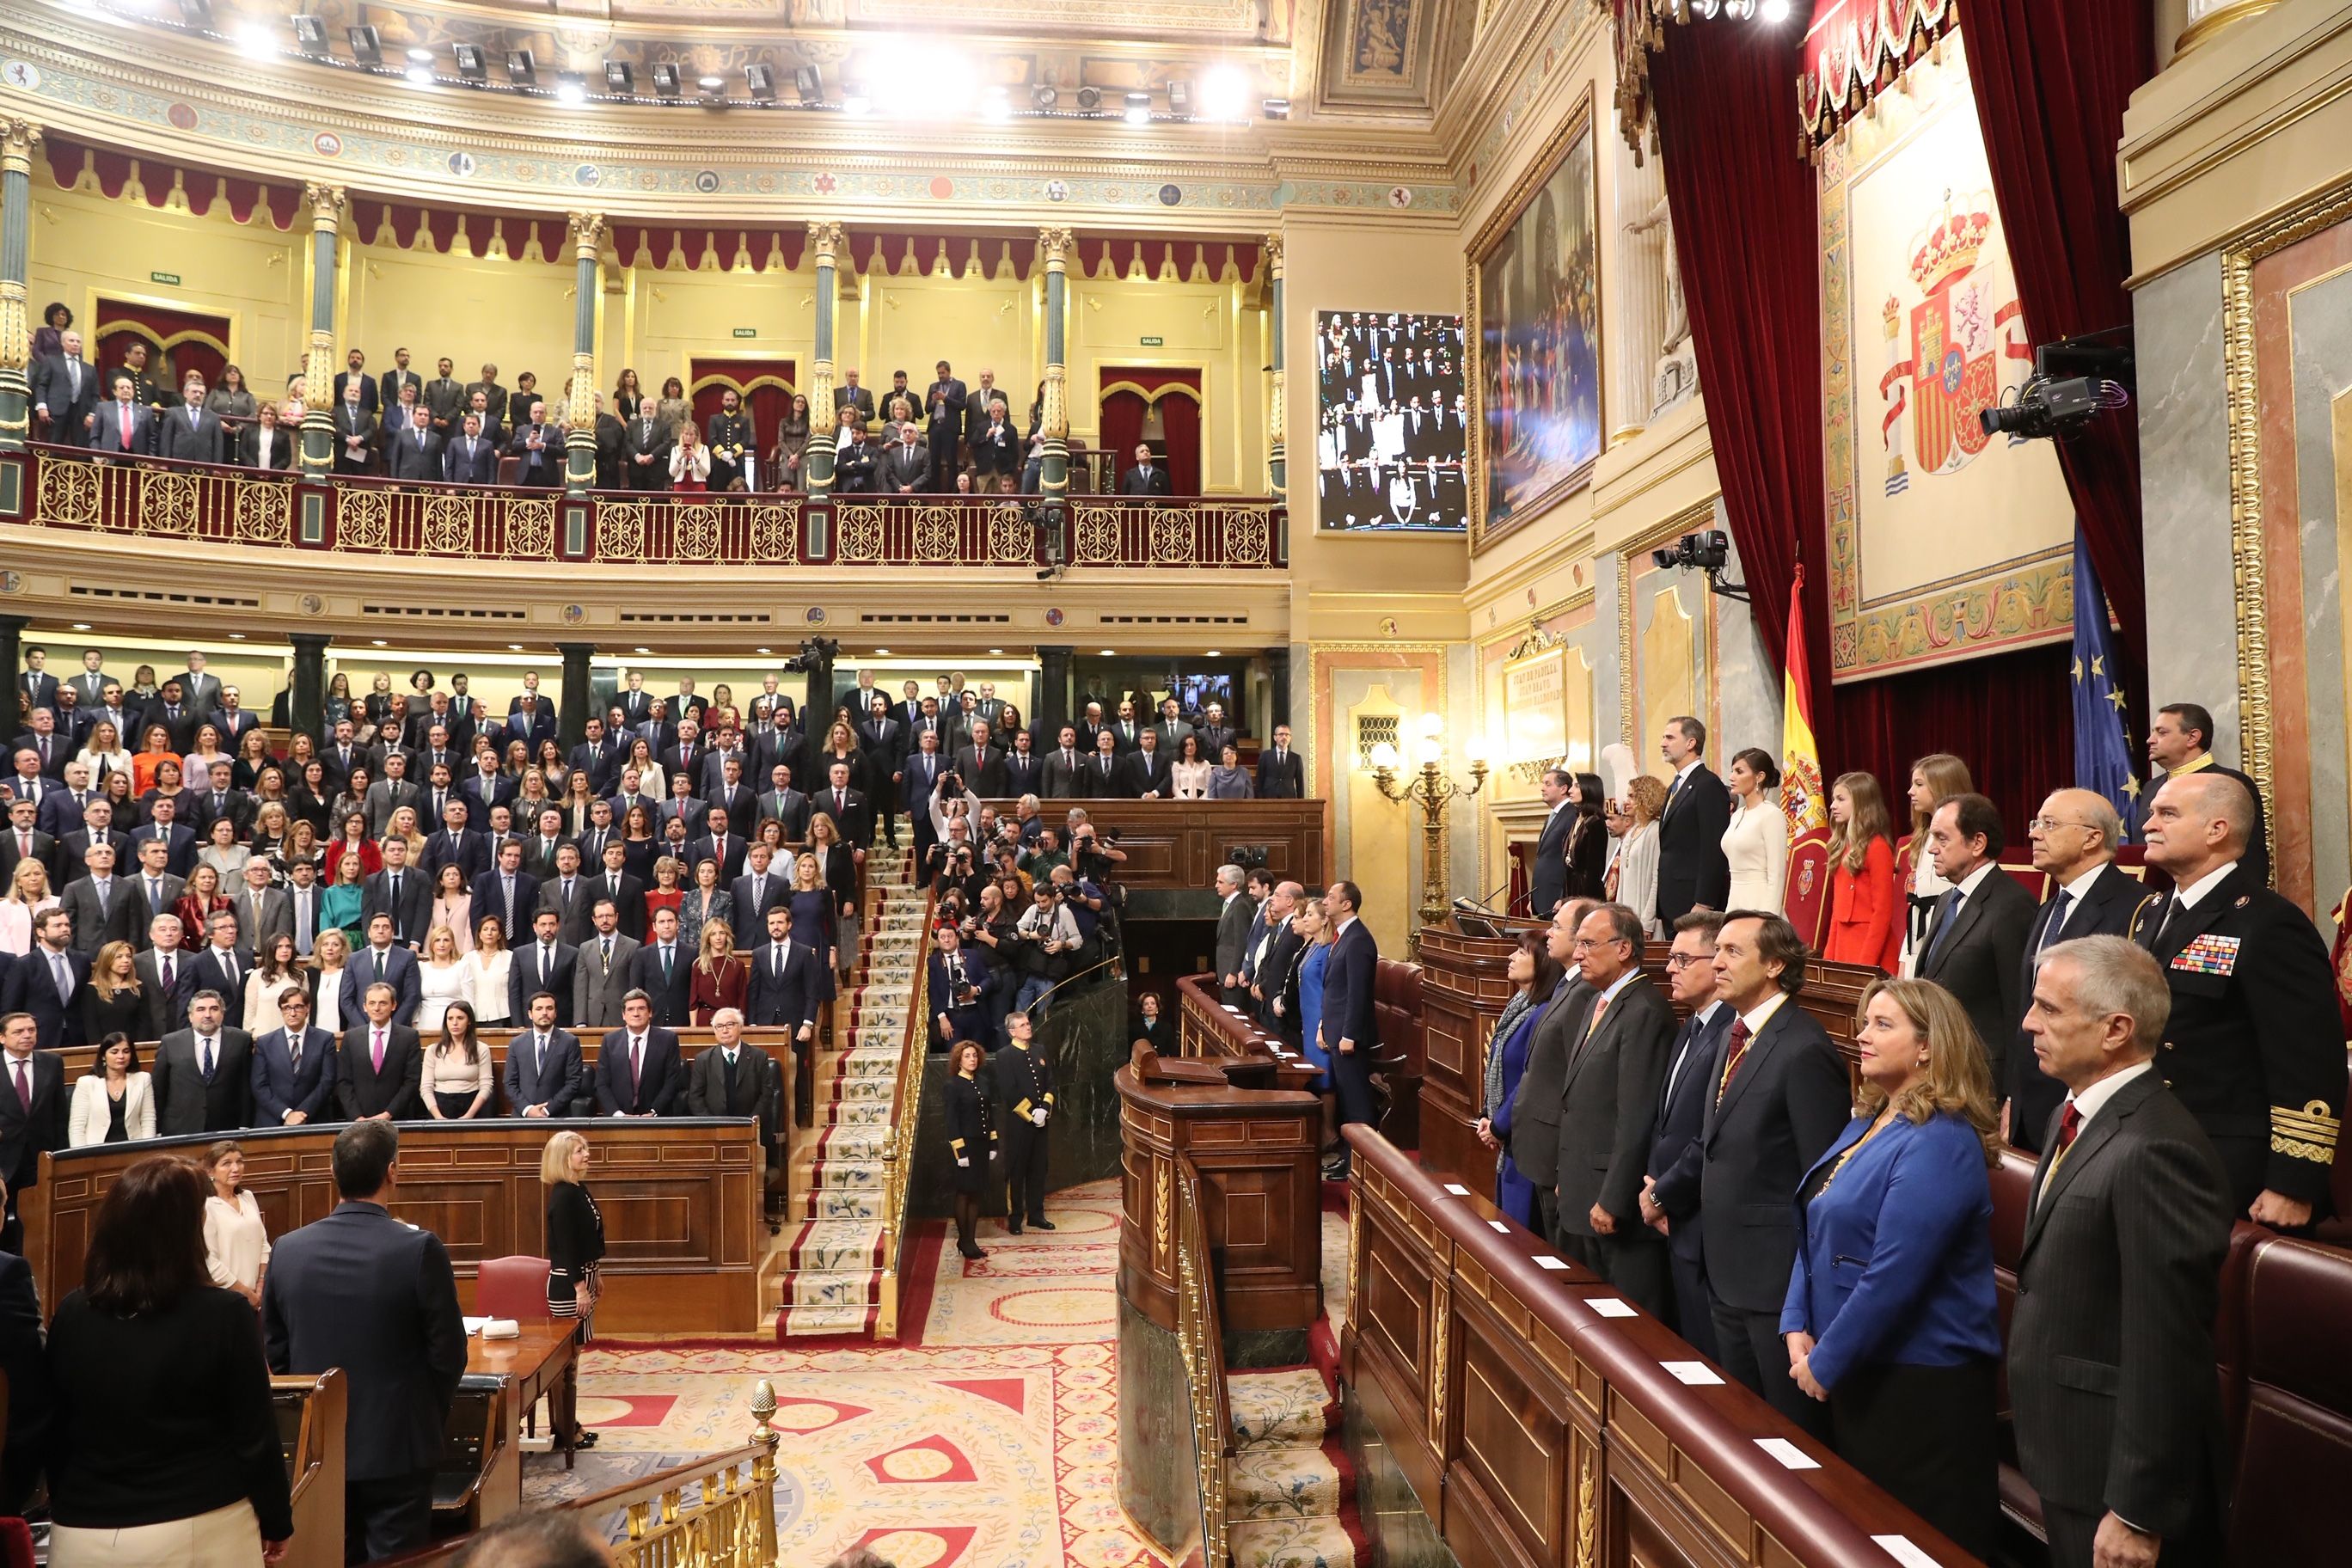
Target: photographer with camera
[961, 983]
[989, 931]
[1046, 942]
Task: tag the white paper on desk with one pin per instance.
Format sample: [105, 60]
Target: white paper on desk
[1502, 1226]
[474, 1325]
[1692, 1373]
[501, 1329]
[1791, 1457]
[1457, 1190]
[1905, 1551]
[1546, 1260]
[1610, 1306]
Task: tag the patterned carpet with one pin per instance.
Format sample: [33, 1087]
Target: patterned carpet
[991, 1442]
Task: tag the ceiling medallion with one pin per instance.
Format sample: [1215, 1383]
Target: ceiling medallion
[588, 174]
[1389, 628]
[1399, 196]
[22, 75]
[461, 164]
[706, 181]
[182, 116]
[326, 144]
[817, 614]
[1054, 617]
[942, 188]
[1170, 195]
[825, 184]
[310, 603]
[11, 582]
[1058, 190]
[575, 613]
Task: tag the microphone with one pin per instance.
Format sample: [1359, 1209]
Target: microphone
[1484, 903]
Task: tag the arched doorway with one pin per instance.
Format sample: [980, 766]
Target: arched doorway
[1159, 406]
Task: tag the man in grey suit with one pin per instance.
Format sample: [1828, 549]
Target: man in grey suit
[1608, 1098]
[1534, 1109]
[263, 909]
[1976, 944]
[1233, 935]
[544, 1075]
[1781, 1099]
[100, 904]
[390, 793]
[166, 978]
[602, 974]
[906, 467]
[2110, 1350]
[1064, 768]
[192, 432]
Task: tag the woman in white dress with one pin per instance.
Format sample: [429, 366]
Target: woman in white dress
[275, 971]
[452, 906]
[1935, 778]
[1637, 853]
[488, 967]
[1757, 841]
[104, 754]
[442, 979]
[236, 1242]
[28, 895]
[1188, 776]
[329, 952]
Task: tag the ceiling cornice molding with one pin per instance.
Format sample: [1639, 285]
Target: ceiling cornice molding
[1511, 60]
[630, 163]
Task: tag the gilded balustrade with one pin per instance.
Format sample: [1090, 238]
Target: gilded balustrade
[899, 1157]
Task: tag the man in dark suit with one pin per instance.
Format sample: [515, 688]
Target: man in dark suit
[469, 457]
[981, 763]
[1669, 1189]
[1781, 1099]
[1063, 776]
[1534, 1132]
[66, 392]
[293, 1067]
[718, 843]
[544, 1075]
[163, 825]
[945, 404]
[167, 978]
[414, 454]
[2254, 1046]
[1280, 773]
[537, 446]
[383, 1064]
[37, 688]
[355, 373]
[961, 982]
[850, 394]
[732, 1079]
[32, 1114]
[638, 1069]
[1145, 770]
[1146, 478]
[644, 455]
[204, 1073]
[1692, 870]
[1976, 944]
[355, 429]
[1235, 914]
[381, 960]
[627, 893]
[1351, 1027]
[763, 885]
[400, 890]
[363, 1291]
[2115, 1410]
[21, 841]
[388, 385]
[2075, 839]
[1105, 776]
[1548, 876]
[123, 427]
[49, 980]
[784, 989]
[509, 892]
[851, 817]
[544, 962]
[664, 972]
[2180, 741]
[906, 467]
[191, 433]
[1609, 1100]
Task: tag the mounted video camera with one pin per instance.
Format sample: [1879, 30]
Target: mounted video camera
[2075, 380]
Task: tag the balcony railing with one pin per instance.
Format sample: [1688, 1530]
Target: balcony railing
[157, 498]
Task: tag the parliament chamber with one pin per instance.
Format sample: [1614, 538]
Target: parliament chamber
[1229, 784]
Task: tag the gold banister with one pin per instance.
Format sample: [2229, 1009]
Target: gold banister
[1199, 1340]
[907, 1113]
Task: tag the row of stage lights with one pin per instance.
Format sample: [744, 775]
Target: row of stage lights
[902, 78]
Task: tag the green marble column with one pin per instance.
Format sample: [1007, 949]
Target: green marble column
[1054, 480]
[326, 203]
[305, 709]
[18, 138]
[825, 241]
[1278, 465]
[587, 230]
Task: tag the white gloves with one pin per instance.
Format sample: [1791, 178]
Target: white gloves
[1038, 1116]
[963, 1161]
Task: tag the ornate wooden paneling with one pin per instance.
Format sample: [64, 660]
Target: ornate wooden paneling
[681, 1200]
[1178, 844]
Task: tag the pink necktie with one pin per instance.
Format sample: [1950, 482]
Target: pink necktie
[379, 1050]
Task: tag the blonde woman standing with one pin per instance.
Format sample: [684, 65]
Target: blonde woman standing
[575, 1248]
[1637, 851]
[1935, 778]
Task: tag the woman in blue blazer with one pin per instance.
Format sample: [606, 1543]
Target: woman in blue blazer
[1890, 1316]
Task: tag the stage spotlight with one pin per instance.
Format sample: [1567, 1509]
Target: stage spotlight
[810, 83]
[762, 80]
[1275, 109]
[367, 45]
[419, 75]
[1775, 11]
[620, 79]
[855, 100]
[1180, 97]
[1139, 109]
[996, 105]
[666, 81]
[1225, 95]
[419, 57]
[256, 41]
[1043, 95]
[522, 68]
[471, 64]
[1089, 101]
[311, 33]
[571, 88]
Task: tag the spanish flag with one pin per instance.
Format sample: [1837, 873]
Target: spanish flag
[1804, 801]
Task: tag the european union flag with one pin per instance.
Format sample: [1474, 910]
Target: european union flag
[2103, 755]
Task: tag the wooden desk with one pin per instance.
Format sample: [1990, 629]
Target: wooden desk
[540, 1358]
[680, 1197]
[1178, 845]
[1260, 1194]
[312, 1412]
[1252, 1056]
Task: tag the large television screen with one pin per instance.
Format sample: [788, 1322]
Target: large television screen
[1390, 437]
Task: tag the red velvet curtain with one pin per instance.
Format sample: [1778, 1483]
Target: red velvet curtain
[177, 341]
[766, 387]
[1124, 410]
[2010, 716]
[2052, 83]
[1742, 200]
[1119, 425]
[1182, 417]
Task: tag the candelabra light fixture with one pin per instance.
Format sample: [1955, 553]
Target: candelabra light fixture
[1434, 788]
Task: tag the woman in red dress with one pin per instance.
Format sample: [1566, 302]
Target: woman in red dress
[717, 980]
[1865, 901]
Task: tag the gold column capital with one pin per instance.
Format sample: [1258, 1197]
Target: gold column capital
[1057, 244]
[587, 232]
[327, 204]
[828, 241]
[2208, 17]
[20, 138]
[1272, 246]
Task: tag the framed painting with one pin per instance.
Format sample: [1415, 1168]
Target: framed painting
[1535, 287]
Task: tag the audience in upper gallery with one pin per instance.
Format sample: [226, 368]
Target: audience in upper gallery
[956, 441]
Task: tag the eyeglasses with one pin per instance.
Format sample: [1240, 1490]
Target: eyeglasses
[1684, 959]
[1586, 944]
[2051, 823]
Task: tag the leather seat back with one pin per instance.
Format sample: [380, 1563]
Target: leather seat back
[2295, 1430]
